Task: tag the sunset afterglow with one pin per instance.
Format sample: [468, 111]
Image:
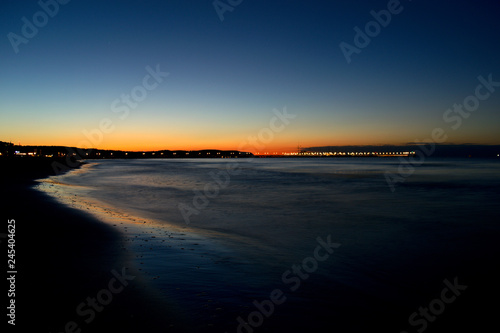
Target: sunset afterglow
[173, 76]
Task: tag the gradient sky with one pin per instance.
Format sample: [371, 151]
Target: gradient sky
[226, 77]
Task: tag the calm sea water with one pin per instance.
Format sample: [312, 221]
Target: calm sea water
[222, 234]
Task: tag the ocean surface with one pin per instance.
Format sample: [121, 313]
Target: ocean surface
[240, 245]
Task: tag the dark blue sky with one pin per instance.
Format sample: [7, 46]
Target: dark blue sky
[226, 77]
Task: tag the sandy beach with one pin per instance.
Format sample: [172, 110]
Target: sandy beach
[233, 166]
[64, 257]
[80, 273]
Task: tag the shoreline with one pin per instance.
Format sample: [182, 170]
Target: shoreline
[64, 256]
[166, 255]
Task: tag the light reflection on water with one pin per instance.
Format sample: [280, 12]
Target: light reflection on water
[269, 216]
[284, 201]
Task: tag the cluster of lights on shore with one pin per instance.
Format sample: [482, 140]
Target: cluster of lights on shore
[290, 154]
[359, 154]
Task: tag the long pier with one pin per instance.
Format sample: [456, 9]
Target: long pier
[337, 154]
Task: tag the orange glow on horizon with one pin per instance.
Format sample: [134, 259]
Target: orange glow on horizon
[140, 142]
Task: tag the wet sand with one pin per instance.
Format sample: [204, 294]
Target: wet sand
[64, 256]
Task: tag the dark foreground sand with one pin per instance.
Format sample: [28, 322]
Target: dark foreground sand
[64, 256]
